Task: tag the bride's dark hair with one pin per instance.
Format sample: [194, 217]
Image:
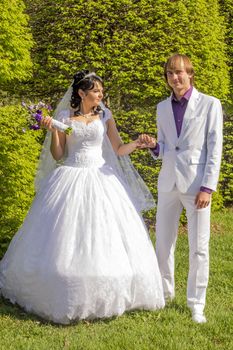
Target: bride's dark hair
[83, 80]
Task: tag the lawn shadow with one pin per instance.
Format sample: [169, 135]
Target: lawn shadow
[15, 311]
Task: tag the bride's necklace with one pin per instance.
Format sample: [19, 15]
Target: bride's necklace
[87, 116]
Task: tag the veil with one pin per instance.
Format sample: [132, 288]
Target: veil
[46, 161]
[122, 165]
[134, 184]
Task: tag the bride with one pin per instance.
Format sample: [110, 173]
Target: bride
[83, 251]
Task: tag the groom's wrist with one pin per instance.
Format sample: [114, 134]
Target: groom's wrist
[155, 149]
[206, 189]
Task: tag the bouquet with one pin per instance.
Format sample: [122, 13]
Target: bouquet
[37, 111]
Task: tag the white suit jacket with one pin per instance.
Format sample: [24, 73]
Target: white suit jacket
[193, 159]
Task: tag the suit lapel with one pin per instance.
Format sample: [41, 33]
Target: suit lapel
[189, 112]
[171, 125]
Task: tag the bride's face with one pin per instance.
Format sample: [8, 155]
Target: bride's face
[94, 96]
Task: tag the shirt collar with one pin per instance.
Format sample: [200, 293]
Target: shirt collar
[185, 97]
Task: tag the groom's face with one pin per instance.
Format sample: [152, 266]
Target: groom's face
[178, 78]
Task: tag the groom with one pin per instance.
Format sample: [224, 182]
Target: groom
[190, 145]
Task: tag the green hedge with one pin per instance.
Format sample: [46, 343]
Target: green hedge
[15, 44]
[19, 152]
[127, 43]
[226, 175]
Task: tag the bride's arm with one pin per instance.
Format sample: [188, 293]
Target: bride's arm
[119, 147]
[58, 141]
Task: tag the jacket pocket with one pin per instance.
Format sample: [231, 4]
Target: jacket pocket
[197, 160]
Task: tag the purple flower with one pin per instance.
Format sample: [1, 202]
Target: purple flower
[34, 127]
[35, 113]
[38, 116]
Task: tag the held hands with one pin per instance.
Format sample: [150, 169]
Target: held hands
[146, 141]
[143, 141]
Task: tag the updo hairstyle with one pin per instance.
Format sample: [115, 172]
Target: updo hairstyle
[85, 81]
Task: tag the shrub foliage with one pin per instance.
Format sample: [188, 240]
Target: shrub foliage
[15, 43]
[127, 42]
[18, 157]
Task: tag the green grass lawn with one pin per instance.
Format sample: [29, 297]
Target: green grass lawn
[170, 328]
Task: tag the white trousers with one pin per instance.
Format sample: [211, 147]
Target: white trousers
[170, 205]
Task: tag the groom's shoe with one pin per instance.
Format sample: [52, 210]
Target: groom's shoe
[198, 317]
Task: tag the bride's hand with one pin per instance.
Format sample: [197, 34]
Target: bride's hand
[140, 144]
[146, 141]
[46, 122]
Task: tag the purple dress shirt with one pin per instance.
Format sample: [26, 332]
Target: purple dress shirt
[179, 108]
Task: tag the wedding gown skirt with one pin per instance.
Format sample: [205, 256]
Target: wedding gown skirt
[83, 251]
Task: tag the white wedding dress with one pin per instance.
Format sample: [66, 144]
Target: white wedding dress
[83, 251]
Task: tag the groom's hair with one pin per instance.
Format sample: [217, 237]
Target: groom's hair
[175, 61]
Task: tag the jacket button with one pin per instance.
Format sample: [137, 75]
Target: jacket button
[177, 148]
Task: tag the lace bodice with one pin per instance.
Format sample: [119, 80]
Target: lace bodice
[84, 145]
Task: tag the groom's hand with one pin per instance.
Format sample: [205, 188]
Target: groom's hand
[202, 200]
[146, 141]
